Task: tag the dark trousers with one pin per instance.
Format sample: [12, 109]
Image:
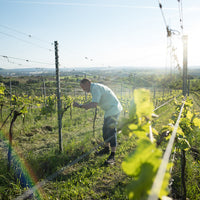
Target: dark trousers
[110, 130]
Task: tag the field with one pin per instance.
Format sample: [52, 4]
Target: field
[76, 172]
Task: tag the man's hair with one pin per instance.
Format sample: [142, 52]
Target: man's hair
[85, 80]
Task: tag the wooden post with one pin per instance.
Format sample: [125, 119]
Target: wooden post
[10, 93]
[121, 90]
[58, 98]
[183, 166]
[185, 38]
[44, 92]
[188, 87]
[85, 92]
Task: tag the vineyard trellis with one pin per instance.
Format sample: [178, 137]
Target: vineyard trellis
[54, 175]
[163, 104]
[168, 100]
[156, 187]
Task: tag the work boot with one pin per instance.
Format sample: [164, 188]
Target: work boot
[110, 160]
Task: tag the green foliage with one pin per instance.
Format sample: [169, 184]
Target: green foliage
[189, 124]
[186, 125]
[89, 179]
[143, 163]
[81, 99]
[140, 112]
[144, 107]
[20, 104]
[3, 99]
[67, 101]
[49, 107]
[36, 101]
[182, 142]
[2, 89]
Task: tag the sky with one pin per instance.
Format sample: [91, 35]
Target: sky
[97, 33]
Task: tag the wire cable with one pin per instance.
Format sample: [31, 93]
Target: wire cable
[11, 62]
[156, 187]
[26, 60]
[169, 31]
[165, 103]
[54, 175]
[22, 40]
[180, 6]
[25, 34]
[164, 19]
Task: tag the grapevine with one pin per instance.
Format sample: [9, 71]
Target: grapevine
[144, 167]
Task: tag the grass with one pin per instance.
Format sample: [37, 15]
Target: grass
[91, 179]
[37, 145]
[164, 114]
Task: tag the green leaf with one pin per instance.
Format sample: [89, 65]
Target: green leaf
[142, 164]
[144, 107]
[145, 148]
[133, 127]
[196, 122]
[189, 115]
[38, 105]
[155, 131]
[2, 88]
[132, 112]
[182, 140]
[138, 189]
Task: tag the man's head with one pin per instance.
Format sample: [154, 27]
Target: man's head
[85, 84]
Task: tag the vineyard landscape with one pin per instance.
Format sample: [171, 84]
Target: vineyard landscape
[147, 53]
[33, 167]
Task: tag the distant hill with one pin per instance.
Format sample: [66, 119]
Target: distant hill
[192, 70]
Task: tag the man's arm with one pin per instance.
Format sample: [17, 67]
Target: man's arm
[86, 106]
[89, 105]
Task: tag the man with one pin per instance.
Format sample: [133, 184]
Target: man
[106, 99]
